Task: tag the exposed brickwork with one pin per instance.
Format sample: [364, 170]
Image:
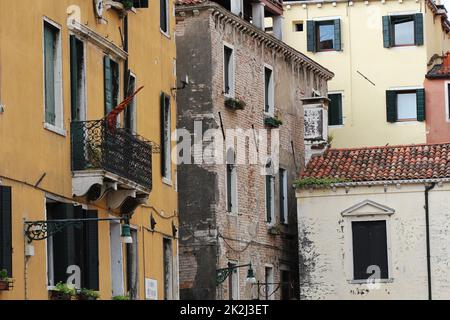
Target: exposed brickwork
[241, 237]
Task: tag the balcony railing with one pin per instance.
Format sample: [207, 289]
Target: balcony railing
[96, 146]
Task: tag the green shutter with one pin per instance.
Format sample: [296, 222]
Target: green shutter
[337, 35]
[311, 35]
[163, 134]
[108, 84]
[387, 42]
[420, 104]
[62, 255]
[90, 267]
[391, 106]
[418, 29]
[335, 109]
[49, 57]
[5, 230]
[269, 198]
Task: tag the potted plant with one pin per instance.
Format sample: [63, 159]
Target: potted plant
[235, 104]
[5, 282]
[274, 229]
[121, 298]
[127, 4]
[87, 294]
[272, 122]
[62, 291]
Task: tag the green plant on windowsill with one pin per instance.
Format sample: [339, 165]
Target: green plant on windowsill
[87, 294]
[5, 281]
[272, 122]
[127, 4]
[234, 104]
[121, 298]
[312, 182]
[62, 291]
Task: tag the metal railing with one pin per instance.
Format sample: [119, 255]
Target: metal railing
[95, 145]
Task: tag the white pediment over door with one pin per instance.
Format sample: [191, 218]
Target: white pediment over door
[367, 208]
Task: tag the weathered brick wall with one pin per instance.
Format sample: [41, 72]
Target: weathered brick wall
[244, 237]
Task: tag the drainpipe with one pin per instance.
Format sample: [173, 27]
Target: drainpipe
[427, 227]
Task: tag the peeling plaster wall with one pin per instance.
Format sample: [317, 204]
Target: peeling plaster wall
[325, 260]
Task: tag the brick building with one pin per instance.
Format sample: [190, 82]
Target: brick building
[233, 212]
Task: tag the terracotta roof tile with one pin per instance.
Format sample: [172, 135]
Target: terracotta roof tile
[403, 162]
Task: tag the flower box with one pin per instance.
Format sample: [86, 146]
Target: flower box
[272, 122]
[5, 285]
[234, 104]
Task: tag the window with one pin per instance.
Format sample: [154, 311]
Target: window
[298, 26]
[228, 71]
[164, 16]
[74, 247]
[286, 285]
[53, 76]
[168, 269]
[283, 196]
[231, 182]
[132, 267]
[130, 110]
[111, 83]
[268, 91]
[369, 248]
[335, 109]
[403, 30]
[77, 80]
[6, 230]
[269, 283]
[233, 282]
[270, 198]
[324, 35]
[165, 137]
[405, 105]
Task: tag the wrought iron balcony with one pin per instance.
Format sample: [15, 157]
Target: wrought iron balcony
[96, 146]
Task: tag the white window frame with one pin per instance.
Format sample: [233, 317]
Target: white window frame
[270, 287]
[272, 195]
[166, 33]
[271, 93]
[172, 271]
[447, 100]
[134, 105]
[58, 127]
[413, 122]
[168, 158]
[231, 71]
[350, 217]
[235, 205]
[341, 92]
[285, 194]
[235, 280]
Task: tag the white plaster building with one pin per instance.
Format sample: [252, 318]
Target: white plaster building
[372, 222]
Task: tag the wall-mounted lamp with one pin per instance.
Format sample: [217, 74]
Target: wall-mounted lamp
[126, 233]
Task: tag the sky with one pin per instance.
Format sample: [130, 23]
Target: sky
[446, 3]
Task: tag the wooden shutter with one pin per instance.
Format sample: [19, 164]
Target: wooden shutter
[418, 29]
[387, 42]
[281, 175]
[163, 15]
[90, 259]
[311, 35]
[6, 229]
[420, 98]
[229, 191]
[74, 78]
[337, 35]
[391, 106]
[269, 198]
[61, 251]
[49, 57]
[163, 134]
[369, 248]
[108, 84]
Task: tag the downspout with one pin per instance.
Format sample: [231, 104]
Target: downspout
[427, 227]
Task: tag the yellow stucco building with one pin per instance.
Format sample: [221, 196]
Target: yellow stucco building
[380, 52]
[63, 66]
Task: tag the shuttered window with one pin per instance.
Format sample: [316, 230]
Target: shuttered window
[228, 71]
[369, 249]
[335, 109]
[269, 95]
[164, 16]
[324, 35]
[165, 136]
[111, 83]
[130, 111]
[269, 198]
[405, 105]
[75, 245]
[283, 196]
[77, 77]
[6, 230]
[403, 30]
[231, 182]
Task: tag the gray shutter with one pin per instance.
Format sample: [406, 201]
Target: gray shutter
[420, 94]
[108, 84]
[337, 35]
[311, 35]
[281, 189]
[418, 29]
[387, 42]
[163, 134]
[90, 266]
[5, 230]
[391, 106]
[269, 198]
[49, 57]
[229, 191]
